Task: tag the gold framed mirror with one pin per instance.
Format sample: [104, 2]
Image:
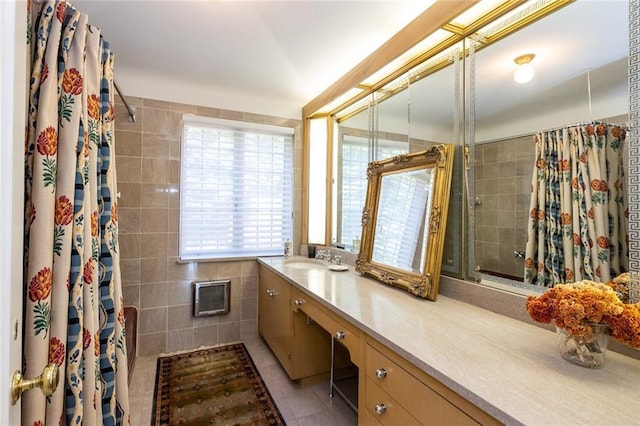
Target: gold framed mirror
[404, 219]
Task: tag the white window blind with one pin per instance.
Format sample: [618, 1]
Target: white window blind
[406, 198]
[236, 189]
[356, 154]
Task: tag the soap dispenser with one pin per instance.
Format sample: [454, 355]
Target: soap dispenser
[356, 244]
[288, 248]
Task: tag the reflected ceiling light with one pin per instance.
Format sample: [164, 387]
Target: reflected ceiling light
[525, 72]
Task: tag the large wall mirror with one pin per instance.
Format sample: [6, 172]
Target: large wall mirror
[580, 63]
[411, 114]
[465, 94]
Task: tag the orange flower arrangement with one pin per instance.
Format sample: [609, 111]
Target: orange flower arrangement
[576, 306]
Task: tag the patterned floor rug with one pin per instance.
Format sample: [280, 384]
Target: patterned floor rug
[213, 386]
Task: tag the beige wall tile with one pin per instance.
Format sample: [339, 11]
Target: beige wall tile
[157, 104]
[179, 340]
[129, 169]
[131, 295]
[180, 317]
[208, 112]
[176, 124]
[157, 121]
[174, 195]
[130, 271]
[229, 332]
[153, 295]
[154, 220]
[172, 244]
[249, 329]
[231, 115]
[174, 171]
[128, 143]
[153, 245]
[153, 270]
[180, 293]
[129, 194]
[129, 220]
[156, 146]
[153, 195]
[153, 320]
[230, 269]
[208, 270]
[249, 308]
[155, 171]
[205, 335]
[184, 108]
[174, 220]
[249, 268]
[180, 271]
[152, 344]
[122, 119]
[249, 287]
[129, 246]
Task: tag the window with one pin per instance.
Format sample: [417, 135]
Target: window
[236, 191]
[356, 154]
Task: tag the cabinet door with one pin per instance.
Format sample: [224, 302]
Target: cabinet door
[274, 314]
[311, 347]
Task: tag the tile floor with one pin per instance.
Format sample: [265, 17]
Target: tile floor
[300, 405]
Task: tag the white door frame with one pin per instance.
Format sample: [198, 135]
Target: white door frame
[13, 75]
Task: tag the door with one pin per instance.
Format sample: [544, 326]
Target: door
[13, 70]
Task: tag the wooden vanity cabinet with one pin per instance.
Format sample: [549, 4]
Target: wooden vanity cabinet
[392, 390]
[397, 392]
[347, 334]
[301, 345]
[274, 315]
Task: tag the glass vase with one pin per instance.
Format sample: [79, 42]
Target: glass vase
[587, 351]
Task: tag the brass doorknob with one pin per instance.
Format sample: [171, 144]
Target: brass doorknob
[47, 382]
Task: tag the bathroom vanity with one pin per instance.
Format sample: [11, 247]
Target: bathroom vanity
[424, 362]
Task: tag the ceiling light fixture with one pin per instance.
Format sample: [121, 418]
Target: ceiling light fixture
[525, 72]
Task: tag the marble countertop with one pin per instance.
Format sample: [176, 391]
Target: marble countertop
[510, 369]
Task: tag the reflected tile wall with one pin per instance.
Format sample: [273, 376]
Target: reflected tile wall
[503, 182]
[148, 169]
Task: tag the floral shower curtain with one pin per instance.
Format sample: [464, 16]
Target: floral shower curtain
[73, 300]
[578, 212]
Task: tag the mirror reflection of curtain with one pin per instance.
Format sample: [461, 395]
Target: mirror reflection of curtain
[73, 297]
[578, 211]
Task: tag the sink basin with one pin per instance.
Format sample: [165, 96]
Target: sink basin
[304, 263]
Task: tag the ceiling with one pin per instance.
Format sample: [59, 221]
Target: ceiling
[581, 75]
[255, 56]
[273, 57]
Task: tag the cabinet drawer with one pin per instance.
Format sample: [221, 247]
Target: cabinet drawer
[416, 397]
[336, 326]
[393, 413]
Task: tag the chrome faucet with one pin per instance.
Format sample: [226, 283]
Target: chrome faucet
[324, 255]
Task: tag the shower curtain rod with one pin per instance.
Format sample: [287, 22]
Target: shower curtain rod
[584, 123]
[130, 110]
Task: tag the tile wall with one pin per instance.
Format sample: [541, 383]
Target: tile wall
[503, 191]
[148, 168]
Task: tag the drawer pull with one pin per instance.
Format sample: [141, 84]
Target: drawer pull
[339, 335]
[298, 302]
[381, 373]
[271, 293]
[381, 408]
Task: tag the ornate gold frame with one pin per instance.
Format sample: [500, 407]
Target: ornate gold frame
[440, 158]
